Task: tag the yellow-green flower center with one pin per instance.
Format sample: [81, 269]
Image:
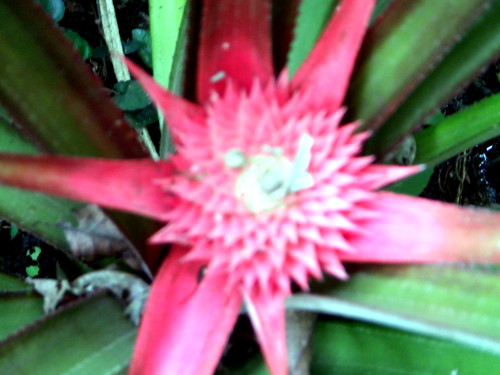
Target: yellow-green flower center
[266, 179]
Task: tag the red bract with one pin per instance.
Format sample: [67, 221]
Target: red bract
[266, 188]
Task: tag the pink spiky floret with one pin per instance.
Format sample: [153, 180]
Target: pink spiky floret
[304, 234]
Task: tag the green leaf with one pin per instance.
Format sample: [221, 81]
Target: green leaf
[91, 337]
[413, 185]
[12, 284]
[143, 117]
[131, 96]
[472, 125]
[143, 38]
[55, 8]
[13, 230]
[350, 348]
[458, 304]
[312, 18]
[169, 20]
[79, 43]
[18, 305]
[313, 15]
[411, 38]
[32, 271]
[34, 253]
[477, 48]
[166, 17]
[346, 347]
[18, 311]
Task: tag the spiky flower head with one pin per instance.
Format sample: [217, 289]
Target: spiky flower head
[269, 191]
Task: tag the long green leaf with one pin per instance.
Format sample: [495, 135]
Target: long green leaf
[91, 337]
[413, 185]
[18, 311]
[411, 38]
[350, 348]
[18, 305]
[9, 284]
[166, 18]
[457, 304]
[479, 46]
[168, 39]
[462, 130]
[312, 18]
[346, 347]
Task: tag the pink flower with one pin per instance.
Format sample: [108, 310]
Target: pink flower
[266, 188]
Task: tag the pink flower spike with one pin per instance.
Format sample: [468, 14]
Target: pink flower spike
[415, 230]
[176, 110]
[186, 323]
[127, 185]
[235, 46]
[267, 313]
[327, 70]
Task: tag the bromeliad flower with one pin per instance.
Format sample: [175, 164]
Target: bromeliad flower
[266, 188]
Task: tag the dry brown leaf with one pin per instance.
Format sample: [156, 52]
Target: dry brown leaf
[51, 290]
[123, 285]
[95, 235]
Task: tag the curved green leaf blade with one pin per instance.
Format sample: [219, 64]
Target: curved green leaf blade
[79, 43]
[166, 20]
[168, 39]
[413, 185]
[48, 89]
[457, 304]
[311, 20]
[346, 347]
[479, 46]
[18, 305]
[349, 348]
[313, 15]
[18, 311]
[399, 50]
[11, 284]
[353, 310]
[91, 337]
[462, 130]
